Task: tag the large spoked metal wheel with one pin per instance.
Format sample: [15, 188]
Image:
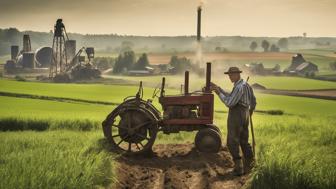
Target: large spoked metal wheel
[131, 129]
[208, 140]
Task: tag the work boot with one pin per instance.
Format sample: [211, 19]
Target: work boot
[238, 168]
[248, 165]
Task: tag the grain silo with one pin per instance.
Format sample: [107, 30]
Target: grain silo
[14, 51]
[43, 56]
[28, 60]
[70, 48]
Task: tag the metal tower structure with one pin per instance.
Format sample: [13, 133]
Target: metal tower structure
[59, 59]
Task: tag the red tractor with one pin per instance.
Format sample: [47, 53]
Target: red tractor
[133, 125]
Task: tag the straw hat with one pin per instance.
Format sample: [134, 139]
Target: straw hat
[233, 70]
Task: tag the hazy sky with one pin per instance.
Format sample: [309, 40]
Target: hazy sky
[174, 17]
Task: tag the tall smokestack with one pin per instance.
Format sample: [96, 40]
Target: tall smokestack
[199, 16]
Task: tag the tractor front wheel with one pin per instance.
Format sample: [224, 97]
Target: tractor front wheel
[208, 140]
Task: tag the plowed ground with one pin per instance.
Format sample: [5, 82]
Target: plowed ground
[177, 166]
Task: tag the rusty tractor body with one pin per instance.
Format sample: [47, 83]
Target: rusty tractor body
[132, 126]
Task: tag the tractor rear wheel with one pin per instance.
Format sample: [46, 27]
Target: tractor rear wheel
[208, 140]
[131, 129]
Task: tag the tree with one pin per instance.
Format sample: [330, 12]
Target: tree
[274, 48]
[125, 61]
[129, 59]
[253, 46]
[142, 62]
[12, 35]
[117, 68]
[265, 45]
[126, 46]
[180, 64]
[283, 43]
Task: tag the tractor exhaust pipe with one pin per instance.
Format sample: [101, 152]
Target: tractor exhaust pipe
[208, 77]
[199, 16]
[186, 82]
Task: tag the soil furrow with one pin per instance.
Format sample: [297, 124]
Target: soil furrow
[177, 166]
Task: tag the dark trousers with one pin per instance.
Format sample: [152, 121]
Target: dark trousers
[238, 133]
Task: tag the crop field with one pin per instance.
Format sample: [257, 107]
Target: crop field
[270, 82]
[64, 138]
[51, 133]
[226, 56]
[327, 52]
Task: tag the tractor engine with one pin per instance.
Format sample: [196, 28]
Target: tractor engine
[181, 112]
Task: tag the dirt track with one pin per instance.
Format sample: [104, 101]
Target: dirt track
[178, 166]
[328, 94]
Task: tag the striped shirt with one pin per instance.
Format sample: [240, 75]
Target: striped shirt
[241, 94]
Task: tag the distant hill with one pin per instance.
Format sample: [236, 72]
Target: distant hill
[116, 43]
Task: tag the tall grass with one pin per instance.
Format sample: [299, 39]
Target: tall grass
[20, 124]
[299, 154]
[54, 159]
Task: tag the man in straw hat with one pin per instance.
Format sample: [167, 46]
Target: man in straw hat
[241, 103]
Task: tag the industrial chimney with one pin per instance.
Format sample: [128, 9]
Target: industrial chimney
[26, 43]
[199, 15]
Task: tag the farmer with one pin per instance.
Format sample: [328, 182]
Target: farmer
[241, 103]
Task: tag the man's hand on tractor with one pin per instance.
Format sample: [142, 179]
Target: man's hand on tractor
[214, 87]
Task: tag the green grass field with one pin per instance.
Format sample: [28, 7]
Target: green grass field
[59, 159]
[95, 92]
[270, 82]
[294, 150]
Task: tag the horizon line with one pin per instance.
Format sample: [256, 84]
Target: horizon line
[206, 36]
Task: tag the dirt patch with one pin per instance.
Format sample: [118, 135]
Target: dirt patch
[178, 166]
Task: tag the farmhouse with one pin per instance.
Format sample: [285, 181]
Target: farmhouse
[300, 66]
[306, 69]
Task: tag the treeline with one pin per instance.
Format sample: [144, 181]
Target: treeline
[116, 43]
[127, 61]
[267, 47]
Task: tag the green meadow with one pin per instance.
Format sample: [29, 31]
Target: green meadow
[270, 82]
[62, 159]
